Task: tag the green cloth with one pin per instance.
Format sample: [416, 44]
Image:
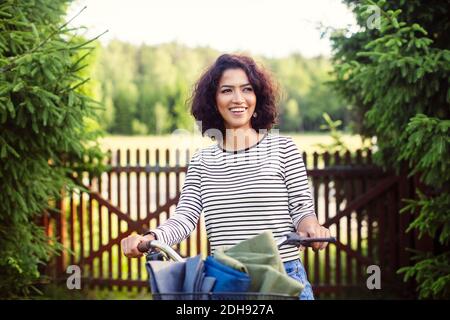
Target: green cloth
[259, 257]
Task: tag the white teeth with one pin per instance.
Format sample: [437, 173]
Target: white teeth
[237, 109]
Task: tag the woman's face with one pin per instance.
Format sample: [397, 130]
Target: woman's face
[235, 98]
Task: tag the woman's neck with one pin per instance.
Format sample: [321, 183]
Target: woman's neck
[239, 139]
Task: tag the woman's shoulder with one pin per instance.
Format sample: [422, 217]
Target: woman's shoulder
[200, 153]
[286, 143]
[280, 138]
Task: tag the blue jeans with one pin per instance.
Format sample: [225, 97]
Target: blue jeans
[296, 271]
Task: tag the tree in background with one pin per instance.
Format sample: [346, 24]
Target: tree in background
[305, 82]
[397, 79]
[124, 98]
[47, 135]
[292, 121]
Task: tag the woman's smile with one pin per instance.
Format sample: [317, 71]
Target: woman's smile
[238, 111]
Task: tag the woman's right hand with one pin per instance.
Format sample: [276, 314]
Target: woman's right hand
[129, 245]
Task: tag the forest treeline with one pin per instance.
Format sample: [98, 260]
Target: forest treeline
[145, 89]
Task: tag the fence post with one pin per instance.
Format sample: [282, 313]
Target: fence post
[61, 231]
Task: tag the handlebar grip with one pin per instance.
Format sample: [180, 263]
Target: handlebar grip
[308, 241]
[295, 239]
[144, 246]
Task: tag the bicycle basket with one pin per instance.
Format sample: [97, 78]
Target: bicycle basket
[222, 296]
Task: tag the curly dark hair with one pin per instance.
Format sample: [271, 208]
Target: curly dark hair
[203, 98]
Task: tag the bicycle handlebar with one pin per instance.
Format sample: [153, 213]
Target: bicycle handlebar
[295, 239]
[291, 238]
[146, 246]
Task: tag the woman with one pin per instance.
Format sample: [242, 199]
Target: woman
[251, 180]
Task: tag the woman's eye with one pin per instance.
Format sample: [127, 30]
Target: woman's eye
[226, 90]
[248, 89]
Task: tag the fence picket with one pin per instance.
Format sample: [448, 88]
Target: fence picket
[316, 183]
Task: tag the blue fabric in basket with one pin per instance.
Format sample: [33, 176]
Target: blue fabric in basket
[193, 275]
[165, 276]
[176, 277]
[227, 278]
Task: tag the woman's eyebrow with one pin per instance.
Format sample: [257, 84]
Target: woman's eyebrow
[230, 86]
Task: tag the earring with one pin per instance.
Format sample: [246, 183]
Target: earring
[255, 114]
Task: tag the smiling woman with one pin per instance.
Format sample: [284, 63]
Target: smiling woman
[251, 181]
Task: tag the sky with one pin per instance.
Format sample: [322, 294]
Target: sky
[273, 28]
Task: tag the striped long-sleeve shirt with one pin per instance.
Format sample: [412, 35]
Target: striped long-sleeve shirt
[243, 193]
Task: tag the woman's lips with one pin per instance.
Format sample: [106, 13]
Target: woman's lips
[237, 111]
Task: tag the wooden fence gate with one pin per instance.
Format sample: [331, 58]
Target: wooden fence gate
[358, 202]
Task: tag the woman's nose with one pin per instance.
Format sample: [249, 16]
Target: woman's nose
[238, 98]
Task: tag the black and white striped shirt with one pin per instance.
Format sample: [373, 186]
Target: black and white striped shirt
[243, 193]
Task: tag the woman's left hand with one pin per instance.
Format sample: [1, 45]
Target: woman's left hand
[314, 230]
